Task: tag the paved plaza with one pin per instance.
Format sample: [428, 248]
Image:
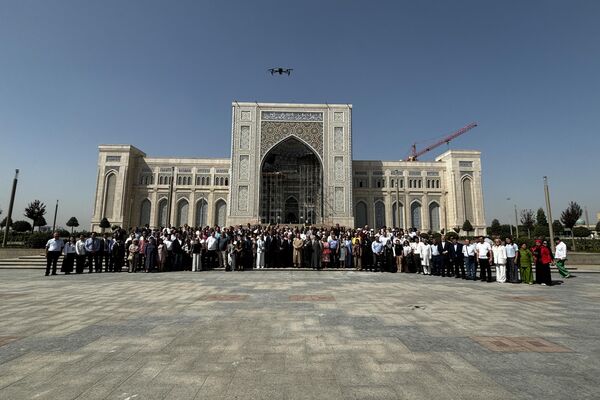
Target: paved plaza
[295, 335]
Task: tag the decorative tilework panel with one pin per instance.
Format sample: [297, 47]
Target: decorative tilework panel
[339, 199]
[273, 132]
[244, 165]
[338, 138]
[244, 137]
[243, 198]
[338, 168]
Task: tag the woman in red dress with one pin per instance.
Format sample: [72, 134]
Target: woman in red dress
[543, 258]
[326, 253]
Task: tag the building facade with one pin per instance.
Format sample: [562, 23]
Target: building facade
[290, 164]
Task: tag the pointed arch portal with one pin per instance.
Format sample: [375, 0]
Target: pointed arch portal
[291, 184]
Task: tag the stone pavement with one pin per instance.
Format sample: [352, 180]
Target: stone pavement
[295, 335]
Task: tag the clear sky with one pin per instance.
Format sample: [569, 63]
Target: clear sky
[161, 75]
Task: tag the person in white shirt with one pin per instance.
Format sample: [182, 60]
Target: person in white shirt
[80, 255]
[560, 256]
[54, 247]
[260, 252]
[469, 255]
[212, 245]
[512, 269]
[483, 250]
[499, 254]
[69, 256]
[425, 252]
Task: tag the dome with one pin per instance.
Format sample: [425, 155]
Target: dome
[580, 221]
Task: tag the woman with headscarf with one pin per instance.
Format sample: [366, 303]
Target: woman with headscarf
[542, 258]
[525, 261]
[150, 255]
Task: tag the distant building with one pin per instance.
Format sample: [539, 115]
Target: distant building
[290, 164]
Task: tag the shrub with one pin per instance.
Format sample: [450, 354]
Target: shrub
[21, 226]
[37, 240]
[450, 235]
[581, 232]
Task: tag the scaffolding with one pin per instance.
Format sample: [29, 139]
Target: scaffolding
[291, 190]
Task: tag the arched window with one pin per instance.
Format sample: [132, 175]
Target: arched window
[220, 212]
[361, 214]
[145, 212]
[201, 213]
[226, 181]
[467, 187]
[434, 216]
[415, 215]
[109, 195]
[182, 213]
[398, 223]
[162, 212]
[379, 214]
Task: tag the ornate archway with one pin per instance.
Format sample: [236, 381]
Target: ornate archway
[291, 184]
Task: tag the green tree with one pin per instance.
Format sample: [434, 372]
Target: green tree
[540, 218]
[570, 216]
[495, 228]
[581, 232]
[527, 221]
[541, 231]
[3, 222]
[41, 221]
[467, 227]
[21, 226]
[35, 211]
[558, 228]
[598, 227]
[104, 223]
[72, 223]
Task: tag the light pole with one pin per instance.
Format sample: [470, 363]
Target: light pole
[509, 224]
[549, 212]
[516, 222]
[55, 212]
[10, 207]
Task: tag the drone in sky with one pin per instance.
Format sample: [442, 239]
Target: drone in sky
[280, 71]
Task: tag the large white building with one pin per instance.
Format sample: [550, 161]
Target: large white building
[290, 163]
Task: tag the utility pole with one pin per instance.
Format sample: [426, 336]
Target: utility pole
[510, 225]
[587, 218]
[10, 207]
[516, 221]
[549, 212]
[55, 212]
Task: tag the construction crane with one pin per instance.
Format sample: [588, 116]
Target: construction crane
[414, 154]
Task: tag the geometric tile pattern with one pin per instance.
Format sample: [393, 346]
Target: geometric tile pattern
[519, 344]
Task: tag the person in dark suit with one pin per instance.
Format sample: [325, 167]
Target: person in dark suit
[444, 250]
[457, 258]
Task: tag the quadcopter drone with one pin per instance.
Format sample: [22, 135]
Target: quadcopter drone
[280, 71]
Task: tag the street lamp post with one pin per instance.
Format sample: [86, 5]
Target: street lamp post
[509, 224]
[10, 207]
[55, 212]
[516, 222]
[549, 212]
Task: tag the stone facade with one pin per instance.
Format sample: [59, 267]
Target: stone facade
[133, 189]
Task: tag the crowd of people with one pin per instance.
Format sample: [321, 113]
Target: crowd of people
[248, 247]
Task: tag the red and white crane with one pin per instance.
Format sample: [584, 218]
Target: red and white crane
[414, 154]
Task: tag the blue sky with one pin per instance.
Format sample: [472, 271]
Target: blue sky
[161, 75]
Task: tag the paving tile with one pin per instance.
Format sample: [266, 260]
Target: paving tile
[294, 335]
